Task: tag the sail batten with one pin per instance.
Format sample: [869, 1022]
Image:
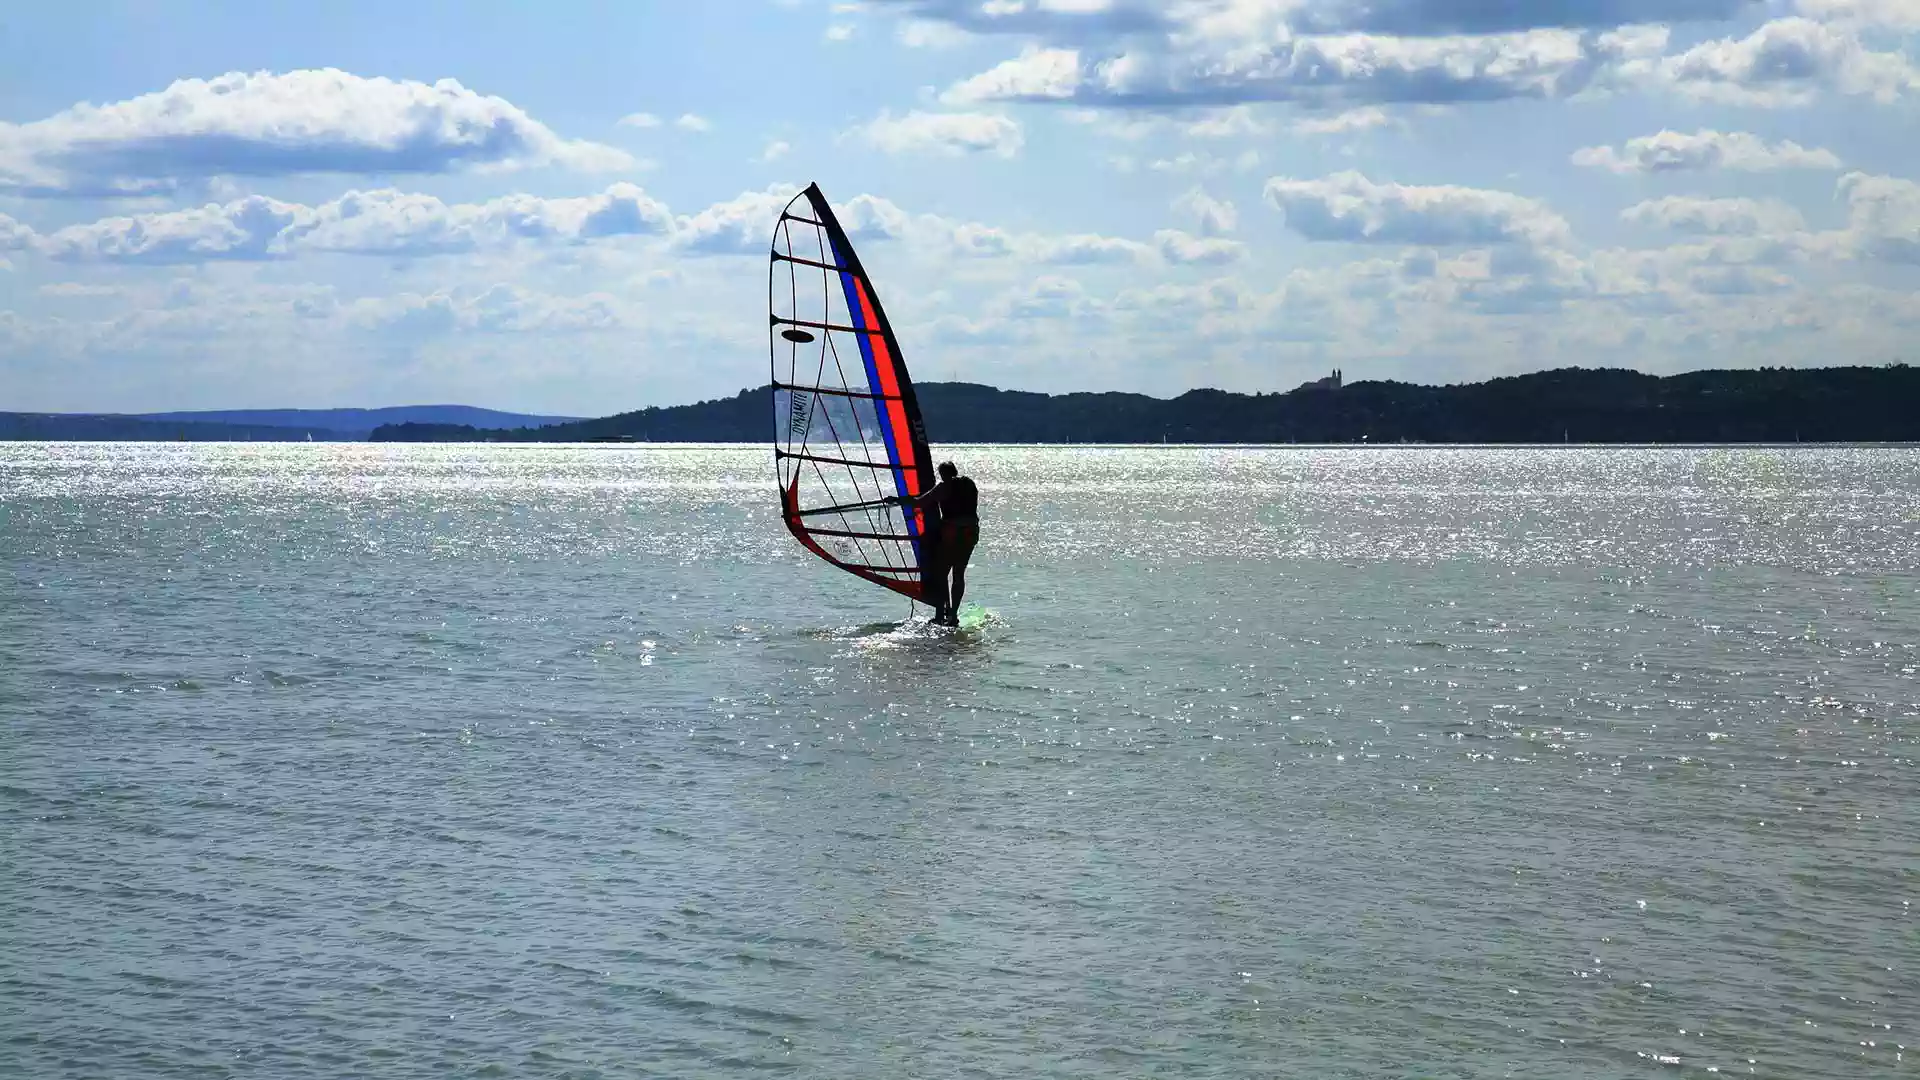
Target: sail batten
[807, 262]
[817, 389]
[825, 326]
[847, 426]
[824, 460]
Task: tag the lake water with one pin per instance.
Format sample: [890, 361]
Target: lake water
[377, 761]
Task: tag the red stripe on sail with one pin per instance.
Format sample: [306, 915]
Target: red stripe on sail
[887, 368]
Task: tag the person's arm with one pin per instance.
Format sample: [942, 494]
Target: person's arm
[921, 499]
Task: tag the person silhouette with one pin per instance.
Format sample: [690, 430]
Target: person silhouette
[957, 499]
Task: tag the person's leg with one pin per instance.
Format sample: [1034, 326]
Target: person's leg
[962, 550]
[940, 596]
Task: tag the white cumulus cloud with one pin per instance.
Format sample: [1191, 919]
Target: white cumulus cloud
[1733, 217]
[928, 34]
[1216, 217]
[743, 225]
[1036, 74]
[1788, 61]
[1433, 17]
[14, 235]
[266, 124]
[396, 223]
[1046, 297]
[951, 134]
[1095, 22]
[1185, 249]
[1053, 19]
[384, 222]
[1200, 164]
[1879, 14]
[1232, 122]
[1084, 248]
[1351, 120]
[498, 309]
[1883, 216]
[1348, 206]
[249, 228]
[1228, 64]
[1673, 151]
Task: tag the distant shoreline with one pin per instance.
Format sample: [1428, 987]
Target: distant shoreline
[1785, 406]
[1170, 446]
[1565, 407]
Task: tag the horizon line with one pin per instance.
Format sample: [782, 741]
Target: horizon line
[953, 382]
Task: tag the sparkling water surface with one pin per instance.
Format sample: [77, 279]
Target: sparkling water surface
[359, 760]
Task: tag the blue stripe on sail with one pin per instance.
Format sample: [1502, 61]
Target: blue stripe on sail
[859, 319]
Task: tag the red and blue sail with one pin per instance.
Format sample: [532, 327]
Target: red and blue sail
[848, 430]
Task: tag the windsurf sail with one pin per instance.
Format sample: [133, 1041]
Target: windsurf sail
[846, 426]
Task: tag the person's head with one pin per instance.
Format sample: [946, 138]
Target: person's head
[948, 471]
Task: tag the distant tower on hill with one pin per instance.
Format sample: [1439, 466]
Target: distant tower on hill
[1331, 382]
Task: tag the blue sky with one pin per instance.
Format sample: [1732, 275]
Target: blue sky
[565, 207]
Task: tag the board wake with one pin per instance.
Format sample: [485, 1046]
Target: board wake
[972, 617]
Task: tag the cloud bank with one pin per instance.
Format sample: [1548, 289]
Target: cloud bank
[1347, 70]
[265, 125]
[385, 222]
[397, 224]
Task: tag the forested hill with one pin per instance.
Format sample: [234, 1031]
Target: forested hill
[1839, 404]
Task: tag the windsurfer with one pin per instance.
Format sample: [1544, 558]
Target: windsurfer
[958, 503]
